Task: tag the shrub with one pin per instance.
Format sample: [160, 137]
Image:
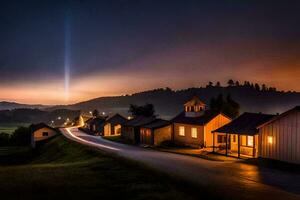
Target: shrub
[4, 139]
[21, 136]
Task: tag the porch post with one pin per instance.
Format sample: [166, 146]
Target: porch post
[214, 142]
[226, 144]
[239, 146]
[254, 146]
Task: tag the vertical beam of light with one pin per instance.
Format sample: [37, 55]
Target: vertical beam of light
[67, 56]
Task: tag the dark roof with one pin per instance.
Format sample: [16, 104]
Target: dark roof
[207, 116]
[297, 108]
[117, 119]
[158, 123]
[246, 124]
[35, 127]
[139, 121]
[96, 120]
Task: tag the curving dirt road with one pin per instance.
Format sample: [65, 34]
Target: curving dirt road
[231, 179]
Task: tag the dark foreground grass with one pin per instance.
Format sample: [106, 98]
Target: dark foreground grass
[62, 169]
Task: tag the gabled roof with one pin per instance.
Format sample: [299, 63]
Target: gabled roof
[158, 123]
[194, 101]
[140, 121]
[35, 127]
[116, 119]
[96, 120]
[246, 124]
[297, 108]
[207, 116]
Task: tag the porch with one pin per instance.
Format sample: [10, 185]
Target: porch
[236, 145]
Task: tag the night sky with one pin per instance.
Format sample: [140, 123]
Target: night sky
[59, 52]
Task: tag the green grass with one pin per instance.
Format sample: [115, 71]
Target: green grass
[11, 127]
[61, 169]
[117, 138]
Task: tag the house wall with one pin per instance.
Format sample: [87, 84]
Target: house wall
[116, 129]
[187, 139]
[162, 134]
[146, 136]
[285, 134]
[38, 134]
[217, 122]
[128, 133]
[107, 129]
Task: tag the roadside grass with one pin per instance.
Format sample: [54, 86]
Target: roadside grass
[64, 169]
[11, 127]
[117, 138]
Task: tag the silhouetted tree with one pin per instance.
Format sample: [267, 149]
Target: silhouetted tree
[210, 84]
[230, 82]
[237, 83]
[257, 87]
[218, 84]
[146, 110]
[229, 107]
[95, 113]
[264, 87]
[21, 136]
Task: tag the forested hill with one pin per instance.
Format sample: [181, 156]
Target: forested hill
[167, 102]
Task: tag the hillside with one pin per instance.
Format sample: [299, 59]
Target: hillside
[5, 105]
[168, 102]
[62, 169]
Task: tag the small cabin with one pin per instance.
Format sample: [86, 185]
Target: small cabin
[194, 126]
[113, 125]
[131, 129]
[41, 132]
[95, 125]
[156, 132]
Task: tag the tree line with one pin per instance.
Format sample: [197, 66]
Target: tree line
[246, 84]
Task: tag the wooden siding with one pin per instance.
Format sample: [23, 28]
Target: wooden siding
[162, 134]
[188, 139]
[38, 134]
[285, 132]
[214, 124]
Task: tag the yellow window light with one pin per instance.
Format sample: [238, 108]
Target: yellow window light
[270, 139]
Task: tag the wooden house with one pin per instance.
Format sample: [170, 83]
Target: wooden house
[156, 132]
[41, 132]
[279, 138]
[113, 125]
[240, 136]
[194, 126]
[95, 125]
[131, 129]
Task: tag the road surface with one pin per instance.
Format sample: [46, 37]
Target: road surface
[232, 179]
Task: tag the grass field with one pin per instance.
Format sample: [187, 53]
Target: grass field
[11, 127]
[61, 169]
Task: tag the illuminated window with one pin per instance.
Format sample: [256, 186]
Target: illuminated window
[221, 139]
[45, 134]
[250, 141]
[244, 140]
[181, 131]
[194, 132]
[270, 139]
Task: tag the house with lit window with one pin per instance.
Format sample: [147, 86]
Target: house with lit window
[279, 137]
[240, 137]
[156, 132]
[194, 126]
[95, 125]
[113, 125]
[41, 132]
[131, 128]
